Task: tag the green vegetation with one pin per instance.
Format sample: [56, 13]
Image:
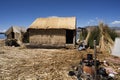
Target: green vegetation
[96, 35]
[83, 34]
[112, 33]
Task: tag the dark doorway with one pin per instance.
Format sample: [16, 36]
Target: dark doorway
[69, 36]
[13, 36]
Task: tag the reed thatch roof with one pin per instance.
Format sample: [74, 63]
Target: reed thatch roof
[15, 29]
[54, 23]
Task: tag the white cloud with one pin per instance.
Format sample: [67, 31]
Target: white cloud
[53, 16]
[96, 18]
[3, 30]
[90, 21]
[115, 22]
[93, 21]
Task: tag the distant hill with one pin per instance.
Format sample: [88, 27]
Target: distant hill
[115, 28]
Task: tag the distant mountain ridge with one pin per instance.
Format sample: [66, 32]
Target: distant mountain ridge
[115, 28]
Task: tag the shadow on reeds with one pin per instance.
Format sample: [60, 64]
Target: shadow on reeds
[44, 47]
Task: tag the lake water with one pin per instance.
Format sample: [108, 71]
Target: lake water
[2, 36]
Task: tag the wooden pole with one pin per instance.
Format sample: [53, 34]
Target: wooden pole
[95, 56]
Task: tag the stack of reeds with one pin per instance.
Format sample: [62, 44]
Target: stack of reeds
[103, 35]
[105, 43]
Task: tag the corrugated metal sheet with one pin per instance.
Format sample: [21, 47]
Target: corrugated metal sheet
[54, 23]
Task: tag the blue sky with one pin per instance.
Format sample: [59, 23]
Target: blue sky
[87, 12]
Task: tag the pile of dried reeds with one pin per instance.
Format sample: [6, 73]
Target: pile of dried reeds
[105, 42]
[103, 35]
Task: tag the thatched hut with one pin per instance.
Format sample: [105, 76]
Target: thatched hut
[15, 32]
[53, 31]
